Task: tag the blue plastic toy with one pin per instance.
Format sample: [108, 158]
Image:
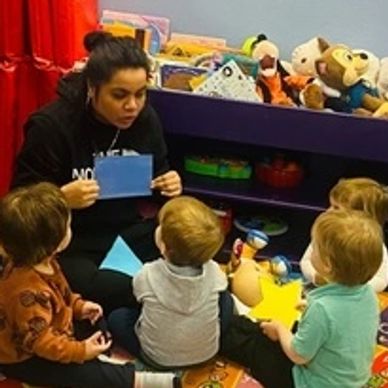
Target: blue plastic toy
[281, 267]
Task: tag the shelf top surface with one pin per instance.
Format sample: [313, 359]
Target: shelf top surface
[274, 126]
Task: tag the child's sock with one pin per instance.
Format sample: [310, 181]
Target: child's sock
[156, 380]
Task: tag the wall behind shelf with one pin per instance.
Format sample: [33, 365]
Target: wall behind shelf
[358, 23]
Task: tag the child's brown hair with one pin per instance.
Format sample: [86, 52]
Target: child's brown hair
[363, 194]
[190, 230]
[33, 222]
[351, 242]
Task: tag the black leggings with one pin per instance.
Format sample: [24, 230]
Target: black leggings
[245, 343]
[80, 264]
[93, 374]
[90, 374]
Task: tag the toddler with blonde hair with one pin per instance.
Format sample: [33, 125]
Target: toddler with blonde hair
[334, 343]
[179, 323]
[368, 196]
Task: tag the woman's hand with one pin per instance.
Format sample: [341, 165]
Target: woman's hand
[91, 311]
[81, 193]
[169, 184]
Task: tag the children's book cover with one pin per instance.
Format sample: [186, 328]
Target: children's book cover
[124, 176]
[229, 82]
[159, 26]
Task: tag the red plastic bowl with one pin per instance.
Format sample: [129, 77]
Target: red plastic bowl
[279, 177]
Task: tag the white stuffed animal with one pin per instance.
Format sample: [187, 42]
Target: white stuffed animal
[304, 56]
[382, 79]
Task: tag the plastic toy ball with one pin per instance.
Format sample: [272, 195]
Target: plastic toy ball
[280, 266]
[257, 239]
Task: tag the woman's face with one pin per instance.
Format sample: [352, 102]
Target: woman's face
[120, 100]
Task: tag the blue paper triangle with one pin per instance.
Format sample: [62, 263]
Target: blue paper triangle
[122, 259]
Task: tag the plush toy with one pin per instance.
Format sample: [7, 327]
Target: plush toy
[248, 45]
[368, 66]
[303, 57]
[243, 271]
[339, 69]
[382, 79]
[342, 87]
[317, 95]
[273, 83]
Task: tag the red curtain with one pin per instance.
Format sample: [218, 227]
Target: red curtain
[7, 115]
[12, 28]
[39, 42]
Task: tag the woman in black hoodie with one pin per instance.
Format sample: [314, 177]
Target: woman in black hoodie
[101, 110]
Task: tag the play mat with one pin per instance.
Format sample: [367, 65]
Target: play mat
[221, 373]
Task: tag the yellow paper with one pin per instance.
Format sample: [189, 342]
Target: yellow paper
[279, 301]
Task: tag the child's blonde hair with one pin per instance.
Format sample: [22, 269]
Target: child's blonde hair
[190, 230]
[363, 194]
[351, 241]
[33, 222]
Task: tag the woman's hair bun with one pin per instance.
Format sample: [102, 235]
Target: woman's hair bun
[96, 38]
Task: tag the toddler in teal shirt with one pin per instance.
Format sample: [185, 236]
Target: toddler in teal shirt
[334, 344]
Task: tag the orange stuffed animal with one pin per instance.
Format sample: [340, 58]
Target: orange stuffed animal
[273, 83]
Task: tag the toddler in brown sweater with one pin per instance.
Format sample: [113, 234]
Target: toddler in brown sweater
[38, 343]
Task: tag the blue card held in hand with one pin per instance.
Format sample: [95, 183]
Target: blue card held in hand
[122, 259]
[124, 176]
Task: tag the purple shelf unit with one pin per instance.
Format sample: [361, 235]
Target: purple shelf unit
[266, 125]
[246, 123]
[308, 196]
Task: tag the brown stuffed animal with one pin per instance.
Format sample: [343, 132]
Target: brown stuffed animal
[318, 95]
[340, 69]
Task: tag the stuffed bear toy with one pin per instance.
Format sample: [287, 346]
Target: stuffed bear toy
[303, 57]
[339, 69]
[382, 79]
